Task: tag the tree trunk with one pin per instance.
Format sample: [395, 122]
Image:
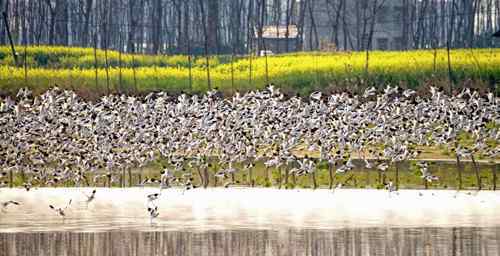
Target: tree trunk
[313, 36]
[156, 22]
[2, 25]
[86, 26]
[213, 26]
[52, 23]
[61, 12]
[132, 26]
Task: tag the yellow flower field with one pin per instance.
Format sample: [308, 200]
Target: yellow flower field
[73, 68]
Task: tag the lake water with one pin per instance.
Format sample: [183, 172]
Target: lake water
[245, 221]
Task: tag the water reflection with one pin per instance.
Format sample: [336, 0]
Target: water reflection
[252, 222]
[367, 241]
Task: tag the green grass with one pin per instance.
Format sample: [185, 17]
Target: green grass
[73, 68]
[409, 177]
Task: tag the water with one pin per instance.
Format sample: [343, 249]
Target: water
[252, 222]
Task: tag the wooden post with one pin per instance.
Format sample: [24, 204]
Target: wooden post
[250, 70]
[279, 177]
[190, 64]
[202, 180]
[330, 173]
[120, 78]
[232, 67]
[106, 64]
[209, 83]
[268, 176]
[286, 178]
[459, 169]
[367, 176]
[207, 179]
[86, 180]
[313, 177]
[23, 176]
[130, 177]
[123, 178]
[448, 46]
[494, 170]
[26, 63]
[267, 66]
[384, 176]
[215, 168]
[476, 171]
[397, 175]
[11, 179]
[95, 63]
[205, 33]
[250, 180]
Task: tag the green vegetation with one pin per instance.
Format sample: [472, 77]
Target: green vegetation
[409, 177]
[73, 68]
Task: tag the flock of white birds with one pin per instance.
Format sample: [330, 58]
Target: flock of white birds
[59, 137]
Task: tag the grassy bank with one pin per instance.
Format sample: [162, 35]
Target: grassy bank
[409, 176]
[73, 68]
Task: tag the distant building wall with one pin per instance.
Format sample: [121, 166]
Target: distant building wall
[276, 40]
[352, 31]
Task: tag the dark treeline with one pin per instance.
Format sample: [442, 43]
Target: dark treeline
[237, 26]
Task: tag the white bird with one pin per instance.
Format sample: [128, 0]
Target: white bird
[153, 213]
[369, 92]
[91, 196]
[316, 96]
[383, 166]
[153, 197]
[60, 211]
[7, 203]
[390, 186]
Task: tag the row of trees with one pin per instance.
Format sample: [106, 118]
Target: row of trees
[224, 26]
[407, 24]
